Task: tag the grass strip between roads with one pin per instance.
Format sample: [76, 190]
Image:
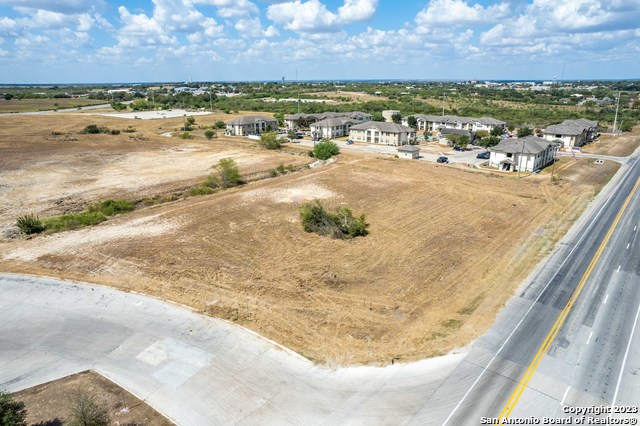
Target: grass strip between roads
[524, 381]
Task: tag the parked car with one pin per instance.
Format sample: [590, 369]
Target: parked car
[458, 148]
[484, 155]
[442, 159]
[349, 142]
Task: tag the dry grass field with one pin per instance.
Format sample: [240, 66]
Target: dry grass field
[27, 105]
[353, 96]
[447, 247]
[52, 403]
[621, 146]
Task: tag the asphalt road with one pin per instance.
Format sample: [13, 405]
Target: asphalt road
[199, 370]
[594, 359]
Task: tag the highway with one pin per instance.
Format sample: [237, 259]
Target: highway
[567, 339]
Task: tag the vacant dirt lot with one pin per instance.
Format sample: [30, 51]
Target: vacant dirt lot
[620, 146]
[53, 174]
[52, 403]
[447, 247]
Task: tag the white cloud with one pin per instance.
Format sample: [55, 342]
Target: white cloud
[62, 6]
[232, 8]
[252, 28]
[357, 10]
[301, 16]
[139, 30]
[457, 12]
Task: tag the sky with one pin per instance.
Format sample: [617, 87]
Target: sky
[103, 41]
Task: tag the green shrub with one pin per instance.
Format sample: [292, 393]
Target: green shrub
[12, 413]
[30, 224]
[91, 129]
[274, 173]
[339, 225]
[325, 149]
[201, 190]
[270, 140]
[280, 169]
[220, 124]
[111, 207]
[185, 135]
[73, 221]
[115, 132]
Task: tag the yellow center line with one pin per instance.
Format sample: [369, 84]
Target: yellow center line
[524, 381]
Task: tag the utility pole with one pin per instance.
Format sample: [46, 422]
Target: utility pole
[210, 101]
[520, 158]
[153, 100]
[298, 83]
[615, 120]
[553, 166]
[444, 95]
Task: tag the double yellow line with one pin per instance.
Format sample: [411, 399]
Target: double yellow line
[522, 385]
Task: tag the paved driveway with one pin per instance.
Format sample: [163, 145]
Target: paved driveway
[194, 369]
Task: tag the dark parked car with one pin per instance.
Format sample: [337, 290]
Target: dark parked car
[484, 155]
[458, 148]
[442, 159]
[349, 142]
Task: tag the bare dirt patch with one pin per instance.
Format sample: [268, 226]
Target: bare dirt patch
[51, 174]
[50, 403]
[619, 146]
[447, 248]
[27, 105]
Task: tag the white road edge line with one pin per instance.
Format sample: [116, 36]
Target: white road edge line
[565, 395]
[624, 360]
[605, 299]
[590, 336]
[628, 245]
[484, 370]
[634, 228]
[619, 266]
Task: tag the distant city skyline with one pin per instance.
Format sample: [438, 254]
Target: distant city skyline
[107, 41]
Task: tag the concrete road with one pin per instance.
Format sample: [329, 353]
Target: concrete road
[194, 369]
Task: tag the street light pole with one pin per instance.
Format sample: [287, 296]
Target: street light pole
[615, 120]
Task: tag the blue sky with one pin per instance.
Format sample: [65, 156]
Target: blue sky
[86, 41]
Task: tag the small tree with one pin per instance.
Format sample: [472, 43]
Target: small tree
[489, 141]
[325, 149]
[377, 116]
[12, 413]
[291, 134]
[280, 117]
[524, 131]
[482, 134]
[209, 134]
[270, 140]
[86, 412]
[412, 121]
[191, 120]
[220, 124]
[8, 96]
[228, 173]
[626, 126]
[396, 118]
[496, 131]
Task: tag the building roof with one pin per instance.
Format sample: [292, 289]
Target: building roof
[383, 127]
[252, 119]
[489, 121]
[409, 148]
[448, 131]
[332, 122]
[325, 115]
[571, 127]
[527, 145]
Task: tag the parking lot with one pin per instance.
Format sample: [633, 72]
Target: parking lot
[428, 152]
